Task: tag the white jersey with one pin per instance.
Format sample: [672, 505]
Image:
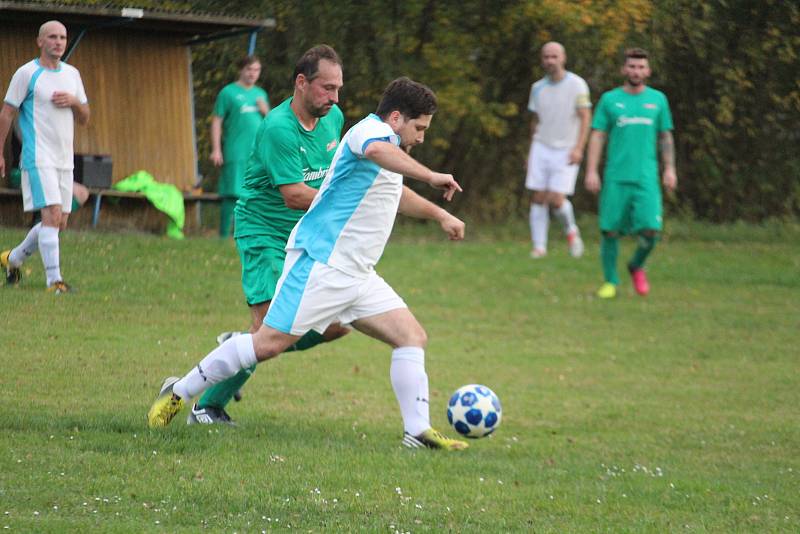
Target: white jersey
[349, 221]
[556, 104]
[47, 130]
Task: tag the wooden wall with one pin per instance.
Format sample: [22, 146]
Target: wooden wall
[138, 84]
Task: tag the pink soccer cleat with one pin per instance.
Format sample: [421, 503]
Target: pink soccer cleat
[640, 283]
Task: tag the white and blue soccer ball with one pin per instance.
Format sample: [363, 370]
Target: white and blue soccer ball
[474, 411]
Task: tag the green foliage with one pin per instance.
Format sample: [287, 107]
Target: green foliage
[729, 69]
[732, 77]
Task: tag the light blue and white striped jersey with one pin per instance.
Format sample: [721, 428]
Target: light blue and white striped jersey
[47, 130]
[349, 221]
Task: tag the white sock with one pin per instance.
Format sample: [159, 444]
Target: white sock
[223, 362]
[48, 248]
[540, 223]
[410, 384]
[566, 216]
[25, 250]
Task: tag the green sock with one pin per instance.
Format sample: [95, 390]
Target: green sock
[219, 395]
[609, 250]
[226, 215]
[310, 339]
[646, 244]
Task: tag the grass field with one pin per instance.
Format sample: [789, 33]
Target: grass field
[672, 413]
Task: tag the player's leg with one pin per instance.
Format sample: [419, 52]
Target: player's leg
[536, 183]
[223, 362]
[262, 262]
[612, 216]
[647, 223]
[229, 185]
[381, 313]
[609, 251]
[561, 187]
[12, 260]
[56, 191]
[226, 208]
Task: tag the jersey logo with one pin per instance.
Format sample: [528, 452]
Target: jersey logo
[625, 121]
[650, 106]
[619, 105]
[331, 145]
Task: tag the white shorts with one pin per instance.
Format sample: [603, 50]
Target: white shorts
[311, 295]
[549, 169]
[42, 187]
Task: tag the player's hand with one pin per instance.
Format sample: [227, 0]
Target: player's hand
[62, 99]
[2, 166]
[216, 158]
[575, 156]
[453, 227]
[670, 179]
[447, 182]
[592, 182]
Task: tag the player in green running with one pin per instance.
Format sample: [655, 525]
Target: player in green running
[293, 149]
[635, 118]
[238, 112]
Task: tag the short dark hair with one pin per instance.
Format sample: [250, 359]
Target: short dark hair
[635, 53]
[246, 61]
[308, 64]
[410, 98]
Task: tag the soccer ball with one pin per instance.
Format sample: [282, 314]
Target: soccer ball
[474, 411]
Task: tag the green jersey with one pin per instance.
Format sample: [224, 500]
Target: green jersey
[284, 153]
[238, 109]
[633, 123]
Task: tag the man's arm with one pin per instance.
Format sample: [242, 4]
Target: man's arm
[534, 123]
[597, 140]
[393, 158]
[413, 205]
[576, 156]
[80, 111]
[297, 196]
[216, 141]
[667, 146]
[7, 115]
[263, 107]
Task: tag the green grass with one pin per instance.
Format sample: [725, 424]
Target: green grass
[674, 413]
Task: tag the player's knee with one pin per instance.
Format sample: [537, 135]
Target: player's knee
[539, 197]
[335, 331]
[416, 336]
[555, 200]
[265, 344]
[650, 233]
[610, 235]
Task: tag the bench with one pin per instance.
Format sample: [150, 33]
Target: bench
[125, 210]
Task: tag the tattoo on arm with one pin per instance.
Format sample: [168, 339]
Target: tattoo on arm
[667, 146]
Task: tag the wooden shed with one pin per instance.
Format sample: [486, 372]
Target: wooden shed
[137, 70]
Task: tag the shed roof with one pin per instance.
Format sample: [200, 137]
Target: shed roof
[188, 22]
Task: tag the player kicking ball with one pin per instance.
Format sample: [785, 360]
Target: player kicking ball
[329, 273]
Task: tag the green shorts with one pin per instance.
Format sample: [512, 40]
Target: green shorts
[262, 262]
[231, 178]
[627, 208]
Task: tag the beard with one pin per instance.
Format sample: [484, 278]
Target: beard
[321, 111]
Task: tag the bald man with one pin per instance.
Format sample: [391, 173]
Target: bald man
[49, 97]
[559, 130]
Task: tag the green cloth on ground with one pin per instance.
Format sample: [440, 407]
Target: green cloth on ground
[165, 197]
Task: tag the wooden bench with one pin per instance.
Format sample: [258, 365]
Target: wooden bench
[122, 210]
